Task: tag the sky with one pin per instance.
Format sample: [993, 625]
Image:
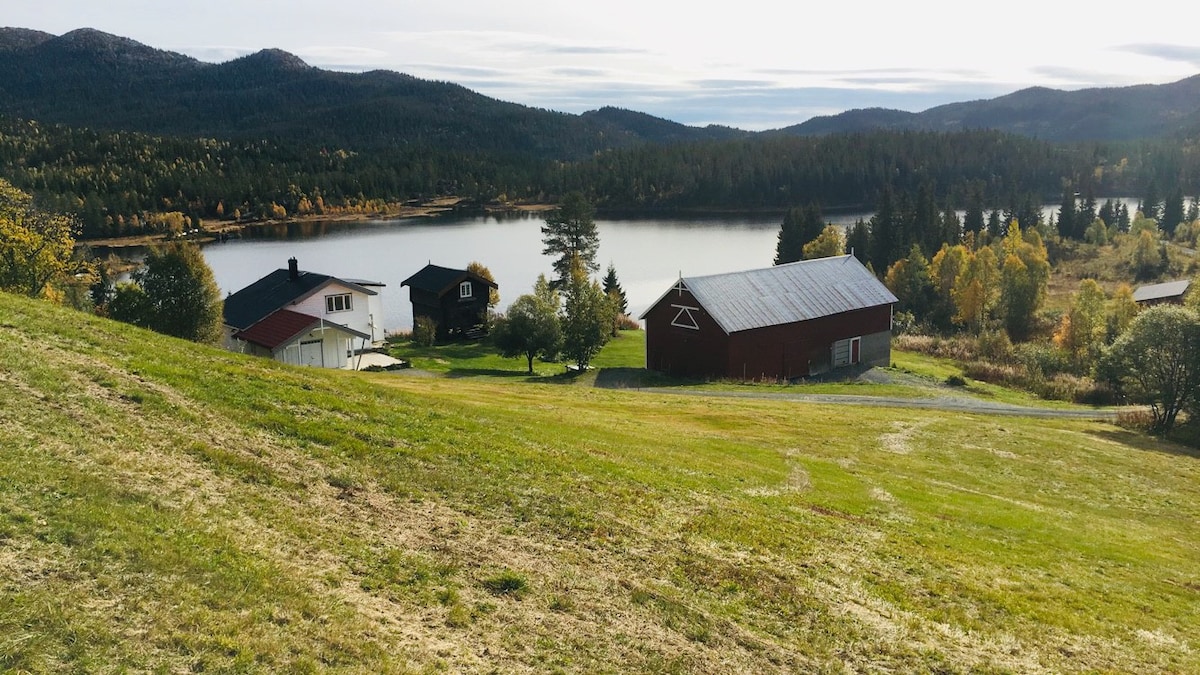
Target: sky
[749, 64]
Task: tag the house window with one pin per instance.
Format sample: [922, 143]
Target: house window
[464, 290]
[338, 303]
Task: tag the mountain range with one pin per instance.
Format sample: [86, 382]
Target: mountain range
[94, 79]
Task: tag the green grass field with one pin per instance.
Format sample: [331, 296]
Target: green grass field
[170, 507]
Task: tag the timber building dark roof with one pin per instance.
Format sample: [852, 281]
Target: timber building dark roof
[277, 290]
[439, 280]
[1163, 291]
[785, 294]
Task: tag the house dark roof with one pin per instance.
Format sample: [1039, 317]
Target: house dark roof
[439, 280]
[785, 294]
[275, 291]
[282, 326]
[1170, 289]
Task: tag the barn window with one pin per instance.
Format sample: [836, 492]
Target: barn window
[846, 352]
[464, 290]
[684, 318]
[341, 302]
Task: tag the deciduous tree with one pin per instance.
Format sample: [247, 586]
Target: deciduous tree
[1023, 278]
[181, 297]
[1082, 331]
[35, 246]
[587, 316]
[976, 289]
[827, 244]
[476, 267]
[529, 328]
[1157, 362]
[908, 278]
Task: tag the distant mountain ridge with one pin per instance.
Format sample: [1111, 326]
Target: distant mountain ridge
[1098, 114]
[94, 79]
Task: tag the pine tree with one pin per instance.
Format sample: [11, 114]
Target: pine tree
[570, 232]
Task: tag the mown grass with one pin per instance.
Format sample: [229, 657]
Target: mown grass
[165, 506]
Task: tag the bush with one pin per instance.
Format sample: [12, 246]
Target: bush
[1138, 420]
[626, 322]
[424, 332]
[1044, 360]
[995, 373]
[903, 323]
[995, 346]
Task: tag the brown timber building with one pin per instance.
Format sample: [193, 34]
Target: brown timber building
[783, 322]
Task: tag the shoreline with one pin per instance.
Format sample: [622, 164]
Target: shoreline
[212, 230]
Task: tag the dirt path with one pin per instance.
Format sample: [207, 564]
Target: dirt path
[949, 403]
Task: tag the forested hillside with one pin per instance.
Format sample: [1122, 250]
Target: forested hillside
[137, 140]
[94, 79]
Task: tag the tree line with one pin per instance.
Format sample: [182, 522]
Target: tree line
[119, 183]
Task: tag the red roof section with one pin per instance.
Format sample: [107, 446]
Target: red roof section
[278, 328]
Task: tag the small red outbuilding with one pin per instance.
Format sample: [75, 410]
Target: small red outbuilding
[781, 322]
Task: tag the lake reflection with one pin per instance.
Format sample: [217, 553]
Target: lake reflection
[649, 255]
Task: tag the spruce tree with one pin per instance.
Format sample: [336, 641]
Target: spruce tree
[612, 288]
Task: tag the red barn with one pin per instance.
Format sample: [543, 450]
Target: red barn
[781, 322]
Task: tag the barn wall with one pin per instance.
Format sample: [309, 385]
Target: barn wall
[877, 349]
[805, 348]
[684, 352]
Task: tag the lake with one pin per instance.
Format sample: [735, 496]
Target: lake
[649, 254]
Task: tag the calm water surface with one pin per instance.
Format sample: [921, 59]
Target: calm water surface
[649, 255]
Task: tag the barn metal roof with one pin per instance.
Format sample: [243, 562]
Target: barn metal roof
[1170, 289]
[784, 294]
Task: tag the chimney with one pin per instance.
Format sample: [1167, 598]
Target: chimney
[293, 269]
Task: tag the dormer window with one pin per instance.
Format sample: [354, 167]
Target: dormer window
[464, 290]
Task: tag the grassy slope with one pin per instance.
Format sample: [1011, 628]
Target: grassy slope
[169, 506]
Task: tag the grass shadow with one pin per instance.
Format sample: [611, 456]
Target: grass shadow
[491, 372]
[638, 378]
[1145, 442]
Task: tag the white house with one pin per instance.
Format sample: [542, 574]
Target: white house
[304, 318]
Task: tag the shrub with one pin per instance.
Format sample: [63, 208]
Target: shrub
[1138, 419]
[956, 381]
[995, 346]
[1042, 359]
[995, 373]
[903, 323]
[424, 331]
[626, 322]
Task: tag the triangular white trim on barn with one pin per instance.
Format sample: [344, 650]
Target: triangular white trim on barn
[684, 318]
